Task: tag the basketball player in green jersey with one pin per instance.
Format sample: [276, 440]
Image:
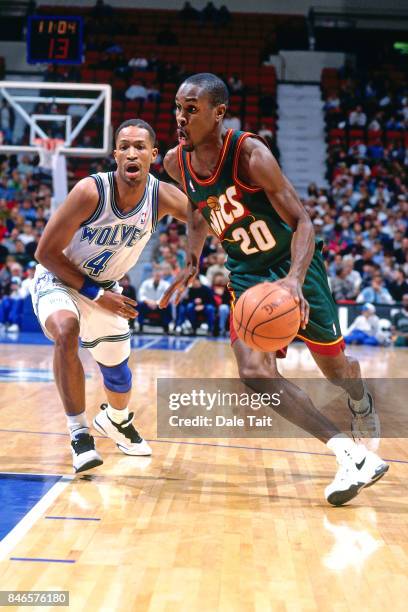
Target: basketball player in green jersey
[235, 187]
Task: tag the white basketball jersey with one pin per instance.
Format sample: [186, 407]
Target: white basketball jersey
[110, 242]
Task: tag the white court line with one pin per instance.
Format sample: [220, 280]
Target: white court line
[190, 346]
[21, 529]
[142, 348]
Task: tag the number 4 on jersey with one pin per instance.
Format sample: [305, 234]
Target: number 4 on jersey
[97, 263]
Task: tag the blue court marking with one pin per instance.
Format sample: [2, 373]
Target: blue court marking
[72, 518]
[11, 374]
[162, 343]
[36, 559]
[254, 448]
[25, 338]
[19, 493]
[172, 343]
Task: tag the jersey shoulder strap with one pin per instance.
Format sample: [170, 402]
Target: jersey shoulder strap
[102, 188]
[235, 174]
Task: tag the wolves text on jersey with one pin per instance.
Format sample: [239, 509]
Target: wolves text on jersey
[109, 235]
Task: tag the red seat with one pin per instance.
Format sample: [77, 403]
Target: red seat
[374, 134]
[337, 133]
[394, 135]
[147, 116]
[116, 117]
[81, 173]
[132, 105]
[359, 134]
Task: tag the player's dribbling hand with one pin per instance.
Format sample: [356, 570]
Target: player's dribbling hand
[179, 285]
[294, 286]
[118, 304]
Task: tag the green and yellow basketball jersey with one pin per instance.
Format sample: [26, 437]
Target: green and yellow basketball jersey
[251, 231]
[257, 241]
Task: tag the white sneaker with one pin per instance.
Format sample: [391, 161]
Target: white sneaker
[13, 328]
[365, 428]
[187, 327]
[84, 455]
[124, 434]
[351, 477]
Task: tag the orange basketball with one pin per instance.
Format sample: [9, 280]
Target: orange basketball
[266, 317]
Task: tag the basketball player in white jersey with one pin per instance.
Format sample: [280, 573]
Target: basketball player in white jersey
[90, 242]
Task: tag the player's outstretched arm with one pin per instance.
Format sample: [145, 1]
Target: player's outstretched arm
[172, 202]
[263, 171]
[197, 231]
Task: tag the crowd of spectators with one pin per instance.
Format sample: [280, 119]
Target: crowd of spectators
[25, 207]
[367, 122]
[363, 217]
[361, 221]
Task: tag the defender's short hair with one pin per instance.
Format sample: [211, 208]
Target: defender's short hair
[138, 123]
[215, 88]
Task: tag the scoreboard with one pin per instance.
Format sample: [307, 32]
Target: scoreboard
[54, 40]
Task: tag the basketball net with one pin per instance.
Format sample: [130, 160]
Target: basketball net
[56, 164]
[48, 150]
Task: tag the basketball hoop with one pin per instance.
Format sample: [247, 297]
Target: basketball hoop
[48, 150]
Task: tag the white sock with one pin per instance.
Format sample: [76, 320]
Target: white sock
[77, 424]
[363, 405]
[117, 416]
[342, 444]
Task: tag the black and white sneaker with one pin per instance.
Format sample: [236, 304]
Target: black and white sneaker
[124, 434]
[365, 428]
[84, 454]
[352, 477]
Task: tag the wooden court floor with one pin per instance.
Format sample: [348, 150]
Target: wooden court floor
[205, 524]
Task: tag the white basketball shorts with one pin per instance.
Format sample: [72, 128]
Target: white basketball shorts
[105, 334]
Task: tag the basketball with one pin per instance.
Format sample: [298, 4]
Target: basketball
[266, 317]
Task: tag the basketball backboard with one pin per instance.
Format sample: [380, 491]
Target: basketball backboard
[78, 113]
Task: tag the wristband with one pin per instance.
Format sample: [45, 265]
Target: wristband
[90, 289]
[101, 292]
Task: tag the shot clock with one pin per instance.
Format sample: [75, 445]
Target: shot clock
[54, 40]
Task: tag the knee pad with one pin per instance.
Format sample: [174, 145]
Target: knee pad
[117, 378]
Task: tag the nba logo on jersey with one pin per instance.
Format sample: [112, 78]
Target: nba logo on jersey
[143, 217]
[191, 186]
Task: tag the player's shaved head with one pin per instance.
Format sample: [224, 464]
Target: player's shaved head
[137, 123]
[213, 86]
